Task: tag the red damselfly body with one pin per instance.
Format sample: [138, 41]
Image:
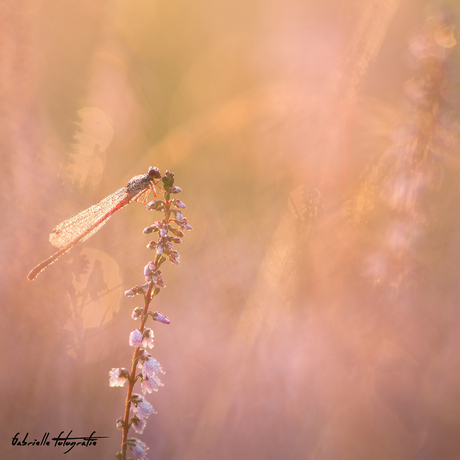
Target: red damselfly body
[86, 223]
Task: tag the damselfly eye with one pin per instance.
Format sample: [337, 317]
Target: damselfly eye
[154, 172]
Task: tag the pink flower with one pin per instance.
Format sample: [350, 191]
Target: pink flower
[118, 377]
[136, 313]
[139, 449]
[144, 409]
[150, 384]
[151, 367]
[135, 338]
[157, 316]
[138, 424]
[147, 340]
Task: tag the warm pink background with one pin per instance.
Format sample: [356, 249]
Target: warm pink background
[333, 337]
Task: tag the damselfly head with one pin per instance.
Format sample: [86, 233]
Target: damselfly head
[154, 172]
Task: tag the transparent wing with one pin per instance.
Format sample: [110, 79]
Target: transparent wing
[77, 225]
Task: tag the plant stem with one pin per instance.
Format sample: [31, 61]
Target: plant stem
[124, 446]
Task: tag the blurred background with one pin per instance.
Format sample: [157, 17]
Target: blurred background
[315, 311]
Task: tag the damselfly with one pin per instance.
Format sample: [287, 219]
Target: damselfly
[86, 223]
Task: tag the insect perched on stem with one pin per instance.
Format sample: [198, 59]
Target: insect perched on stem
[86, 223]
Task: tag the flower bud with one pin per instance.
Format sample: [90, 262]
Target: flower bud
[179, 204]
[168, 179]
[137, 290]
[152, 245]
[176, 232]
[178, 215]
[157, 316]
[149, 268]
[155, 205]
[185, 226]
[119, 423]
[137, 312]
[159, 281]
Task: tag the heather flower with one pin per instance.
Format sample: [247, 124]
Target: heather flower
[150, 384]
[135, 338]
[138, 424]
[178, 215]
[139, 449]
[174, 260]
[147, 340]
[149, 229]
[179, 204]
[158, 280]
[156, 205]
[136, 290]
[160, 317]
[149, 269]
[137, 312]
[119, 423]
[184, 224]
[118, 377]
[152, 245]
[143, 408]
[150, 367]
[176, 231]
[174, 254]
